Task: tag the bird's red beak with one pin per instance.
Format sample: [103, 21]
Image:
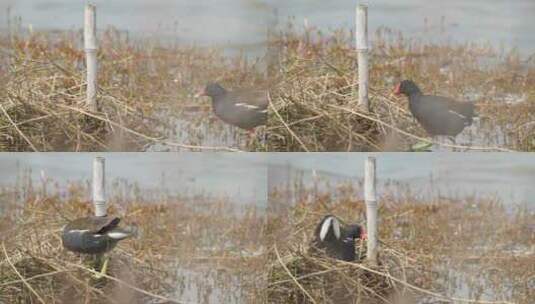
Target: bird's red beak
[363, 235]
[397, 89]
[200, 93]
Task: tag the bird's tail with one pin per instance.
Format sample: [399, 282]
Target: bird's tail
[468, 110]
[120, 233]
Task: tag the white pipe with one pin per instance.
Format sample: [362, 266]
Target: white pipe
[99, 182]
[361, 40]
[90, 45]
[371, 209]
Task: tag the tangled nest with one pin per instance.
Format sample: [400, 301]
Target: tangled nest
[43, 105]
[301, 278]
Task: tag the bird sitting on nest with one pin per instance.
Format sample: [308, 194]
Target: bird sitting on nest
[336, 240]
[95, 235]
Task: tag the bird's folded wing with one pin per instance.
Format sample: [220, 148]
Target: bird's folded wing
[256, 99]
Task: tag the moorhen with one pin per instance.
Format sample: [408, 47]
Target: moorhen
[335, 240]
[245, 109]
[436, 114]
[95, 235]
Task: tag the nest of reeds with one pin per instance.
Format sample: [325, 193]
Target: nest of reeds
[299, 277]
[315, 106]
[43, 103]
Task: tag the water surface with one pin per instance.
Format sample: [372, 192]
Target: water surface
[243, 23]
[240, 177]
[508, 176]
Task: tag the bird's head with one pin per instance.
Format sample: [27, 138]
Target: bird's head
[212, 89]
[406, 87]
[357, 232]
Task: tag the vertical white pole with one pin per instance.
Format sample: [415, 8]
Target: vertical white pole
[371, 209]
[99, 193]
[90, 45]
[361, 39]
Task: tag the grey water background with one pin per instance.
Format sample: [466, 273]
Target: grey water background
[246, 177]
[508, 177]
[241, 178]
[242, 23]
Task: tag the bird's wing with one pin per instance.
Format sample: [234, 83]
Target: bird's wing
[464, 110]
[104, 224]
[92, 224]
[251, 99]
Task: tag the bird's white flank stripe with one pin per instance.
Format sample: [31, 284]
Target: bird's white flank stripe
[460, 115]
[118, 235]
[77, 231]
[246, 105]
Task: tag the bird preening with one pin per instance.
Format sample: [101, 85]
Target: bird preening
[337, 240]
[439, 116]
[245, 109]
[95, 235]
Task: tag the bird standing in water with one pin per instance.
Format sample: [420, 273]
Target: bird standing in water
[439, 116]
[95, 235]
[245, 109]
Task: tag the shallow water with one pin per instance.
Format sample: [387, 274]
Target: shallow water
[509, 177]
[199, 129]
[243, 177]
[240, 177]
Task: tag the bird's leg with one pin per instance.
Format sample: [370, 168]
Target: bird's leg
[451, 140]
[103, 269]
[99, 264]
[251, 136]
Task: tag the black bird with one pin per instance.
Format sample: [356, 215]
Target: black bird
[95, 235]
[335, 240]
[436, 114]
[245, 109]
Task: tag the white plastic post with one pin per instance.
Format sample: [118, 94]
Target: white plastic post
[371, 209]
[361, 39]
[90, 45]
[99, 193]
